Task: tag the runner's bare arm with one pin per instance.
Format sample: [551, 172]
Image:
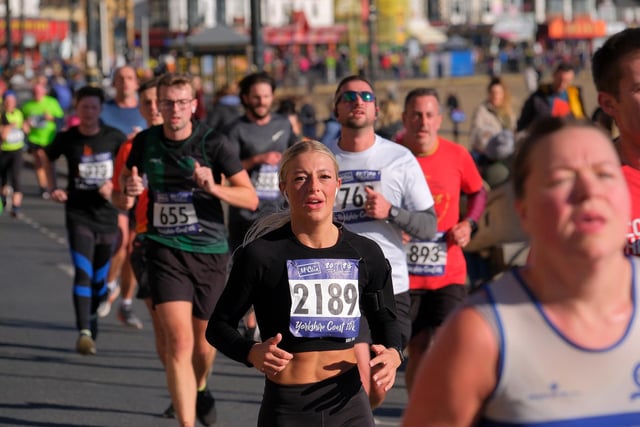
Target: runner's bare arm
[239, 193]
[456, 375]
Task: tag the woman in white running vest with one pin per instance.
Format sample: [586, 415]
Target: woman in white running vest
[556, 342]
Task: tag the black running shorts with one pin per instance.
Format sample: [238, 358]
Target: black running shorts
[336, 401]
[429, 308]
[176, 275]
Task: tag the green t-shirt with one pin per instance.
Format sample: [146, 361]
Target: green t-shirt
[42, 131]
[15, 138]
[180, 214]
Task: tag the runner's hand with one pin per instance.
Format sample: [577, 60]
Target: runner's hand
[134, 185]
[384, 366]
[375, 205]
[268, 358]
[204, 178]
[58, 195]
[460, 234]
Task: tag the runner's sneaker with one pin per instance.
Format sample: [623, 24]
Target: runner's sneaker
[85, 344]
[206, 407]
[105, 306]
[169, 412]
[128, 318]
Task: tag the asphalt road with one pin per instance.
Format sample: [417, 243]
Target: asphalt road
[44, 382]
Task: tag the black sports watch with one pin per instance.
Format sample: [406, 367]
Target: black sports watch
[401, 353]
[473, 224]
[393, 212]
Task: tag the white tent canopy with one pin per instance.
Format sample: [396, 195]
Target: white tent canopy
[425, 33]
[515, 28]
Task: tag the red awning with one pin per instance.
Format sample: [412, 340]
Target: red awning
[290, 35]
[277, 36]
[43, 30]
[324, 36]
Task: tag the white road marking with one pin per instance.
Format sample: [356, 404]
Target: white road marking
[67, 269]
[61, 240]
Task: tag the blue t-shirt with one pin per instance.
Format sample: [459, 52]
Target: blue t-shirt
[126, 120]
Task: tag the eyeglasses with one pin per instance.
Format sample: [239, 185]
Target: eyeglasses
[352, 95]
[168, 104]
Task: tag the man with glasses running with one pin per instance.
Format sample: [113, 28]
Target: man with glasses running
[383, 194]
[184, 162]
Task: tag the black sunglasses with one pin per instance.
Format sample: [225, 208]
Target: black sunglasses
[352, 95]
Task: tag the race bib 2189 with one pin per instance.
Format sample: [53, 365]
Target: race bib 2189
[325, 298]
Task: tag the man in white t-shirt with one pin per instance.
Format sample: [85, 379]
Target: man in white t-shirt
[383, 194]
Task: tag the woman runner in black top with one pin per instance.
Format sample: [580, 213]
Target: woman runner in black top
[309, 280]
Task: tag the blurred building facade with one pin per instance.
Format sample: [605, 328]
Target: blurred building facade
[65, 27]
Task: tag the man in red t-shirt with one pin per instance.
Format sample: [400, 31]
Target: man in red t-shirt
[148, 105]
[615, 70]
[437, 267]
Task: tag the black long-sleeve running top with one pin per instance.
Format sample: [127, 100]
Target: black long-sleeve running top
[314, 297]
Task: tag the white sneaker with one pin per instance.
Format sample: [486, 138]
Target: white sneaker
[105, 306]
[128, 318]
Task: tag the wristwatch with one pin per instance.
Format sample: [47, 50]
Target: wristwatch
[473, 224]
[393, 212]
[401, 353]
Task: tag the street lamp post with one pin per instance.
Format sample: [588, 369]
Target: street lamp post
[93, 28]
[73, 25]
[221, 12]
[192, 15]
[7, 37]
[22, 29]
[373, 45]
[256, 35]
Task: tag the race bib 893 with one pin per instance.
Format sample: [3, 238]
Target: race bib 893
[427, 258]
